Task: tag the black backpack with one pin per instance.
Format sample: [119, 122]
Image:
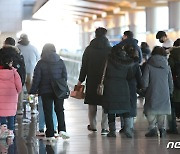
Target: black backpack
[176, 75]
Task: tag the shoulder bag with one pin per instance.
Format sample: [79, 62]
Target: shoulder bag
[59, 86]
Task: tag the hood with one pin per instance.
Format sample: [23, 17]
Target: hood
[100, 43]
[6, 74]
[119, 60]
[158, 61]
[50, 57]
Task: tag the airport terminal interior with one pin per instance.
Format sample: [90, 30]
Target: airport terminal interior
[70, 25]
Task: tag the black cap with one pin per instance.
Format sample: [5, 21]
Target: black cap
[160, 34]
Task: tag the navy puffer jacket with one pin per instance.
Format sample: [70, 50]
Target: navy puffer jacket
[41, 79]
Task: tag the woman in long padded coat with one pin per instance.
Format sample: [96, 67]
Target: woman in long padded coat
[134, 83]
[157, 80]
[116, 98]
[93, 61]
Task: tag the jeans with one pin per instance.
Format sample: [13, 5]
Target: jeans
[131, 122]
[41, 115]
[48, 100]
[9, 121]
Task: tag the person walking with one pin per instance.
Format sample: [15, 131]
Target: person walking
[134, 84]
[41, 85]
[10, 87]
[93, 61]
[166, 42]
[18, 63]
[31, 57]
[128, 38]
[116, 97]
[158, 83]
[174, 62]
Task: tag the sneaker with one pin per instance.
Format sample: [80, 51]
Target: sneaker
[3, 131]
[40, 133]
[56, 134]
[34, 111]
[152, 133]
[64, 135]
[121, 130]
[91, 129]
[162, 133]
[19, 112]
[111, 134]
[129, 133]
[104, 132]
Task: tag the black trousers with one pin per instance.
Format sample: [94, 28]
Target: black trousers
[172, 118]
[47, 101]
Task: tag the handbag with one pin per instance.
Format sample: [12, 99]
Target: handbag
[100, 88]
[59, 86]
[78, 92]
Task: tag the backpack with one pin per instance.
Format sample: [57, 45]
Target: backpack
[176, 75]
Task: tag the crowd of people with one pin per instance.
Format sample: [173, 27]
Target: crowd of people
[128, 69]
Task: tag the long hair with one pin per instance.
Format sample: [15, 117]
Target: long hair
[119, 56]
[7, 56]
[131, 52]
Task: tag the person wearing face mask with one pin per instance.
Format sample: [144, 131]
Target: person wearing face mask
[163, 38]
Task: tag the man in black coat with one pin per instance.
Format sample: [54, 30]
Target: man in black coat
[128, 39]
[93, 62]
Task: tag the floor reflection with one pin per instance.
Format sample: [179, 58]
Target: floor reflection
[82, 141]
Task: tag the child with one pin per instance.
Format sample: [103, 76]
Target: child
[10, 87]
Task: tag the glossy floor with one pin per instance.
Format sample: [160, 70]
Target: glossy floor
[84, 142]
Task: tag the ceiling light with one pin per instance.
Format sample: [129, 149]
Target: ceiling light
[86, 19]
[104, 14]
[79, 22]
[94, 17]
[116, 10]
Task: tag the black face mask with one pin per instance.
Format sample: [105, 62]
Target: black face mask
[161, 41]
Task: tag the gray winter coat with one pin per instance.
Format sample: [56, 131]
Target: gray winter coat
[157, 80]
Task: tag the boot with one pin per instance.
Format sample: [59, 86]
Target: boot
[128, 130]
[152, 133]
[162, 133]
[112, 130]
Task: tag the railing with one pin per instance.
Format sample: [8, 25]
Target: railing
[73, 65]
